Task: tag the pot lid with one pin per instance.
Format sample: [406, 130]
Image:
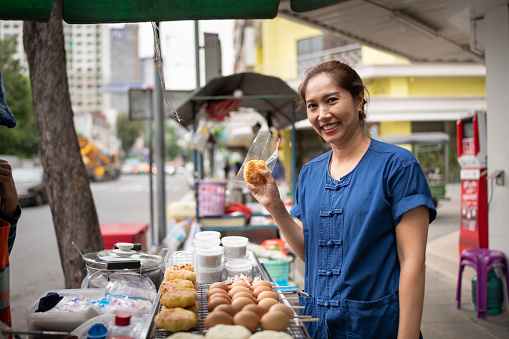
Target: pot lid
[147, 261]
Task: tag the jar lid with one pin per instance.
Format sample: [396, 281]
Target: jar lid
[97, 331]
[101, 259]
[122, 318]
[234, 241]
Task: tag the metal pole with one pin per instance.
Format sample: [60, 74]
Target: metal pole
[294, 154]
[150, 110]
[159, 122]
[198, 156]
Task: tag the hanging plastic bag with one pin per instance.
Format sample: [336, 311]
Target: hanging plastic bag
[264, 147]
[199, 138]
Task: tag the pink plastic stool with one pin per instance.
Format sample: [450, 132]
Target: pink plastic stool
[482, 260]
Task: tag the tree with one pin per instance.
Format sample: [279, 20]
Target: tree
[128, 131]
[70, 199]
[21, 140]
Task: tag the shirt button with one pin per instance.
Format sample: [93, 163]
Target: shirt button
[326, 304]
[329, 242]
[329, 273]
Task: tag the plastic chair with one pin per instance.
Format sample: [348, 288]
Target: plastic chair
[482, 260]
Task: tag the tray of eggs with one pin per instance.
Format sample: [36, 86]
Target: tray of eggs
[234, 309]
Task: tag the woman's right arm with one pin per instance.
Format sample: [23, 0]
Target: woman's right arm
[268, 196]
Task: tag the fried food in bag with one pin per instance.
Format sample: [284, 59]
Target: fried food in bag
[251, 174]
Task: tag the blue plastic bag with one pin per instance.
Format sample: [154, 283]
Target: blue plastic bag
[6, 117]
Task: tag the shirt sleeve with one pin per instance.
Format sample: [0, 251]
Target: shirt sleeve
[13, 221]
[296, 210]
[409, 189]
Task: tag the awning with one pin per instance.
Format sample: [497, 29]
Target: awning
[268, 95]
[111, 11]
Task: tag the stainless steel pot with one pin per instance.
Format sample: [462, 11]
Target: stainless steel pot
[115, 260]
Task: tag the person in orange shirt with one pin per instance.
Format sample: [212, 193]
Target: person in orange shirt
[10, 212]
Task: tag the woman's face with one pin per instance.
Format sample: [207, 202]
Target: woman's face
[331, 110]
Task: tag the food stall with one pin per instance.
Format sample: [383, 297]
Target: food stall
[125, 279]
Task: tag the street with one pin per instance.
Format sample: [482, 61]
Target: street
[35, 262]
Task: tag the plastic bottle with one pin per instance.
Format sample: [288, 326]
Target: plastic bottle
[122, 326]
[97, 331]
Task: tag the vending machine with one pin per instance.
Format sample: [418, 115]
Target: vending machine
[472, 157]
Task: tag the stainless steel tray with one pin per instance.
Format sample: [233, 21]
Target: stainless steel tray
[296, 328]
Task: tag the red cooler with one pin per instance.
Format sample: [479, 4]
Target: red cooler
[124, 232]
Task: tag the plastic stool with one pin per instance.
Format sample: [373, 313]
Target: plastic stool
[482, 260]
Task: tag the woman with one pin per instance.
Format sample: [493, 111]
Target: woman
[362, 212]
[9, 215]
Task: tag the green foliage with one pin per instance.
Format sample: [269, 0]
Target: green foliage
[128, 131]
[22, 139]
[173, 150]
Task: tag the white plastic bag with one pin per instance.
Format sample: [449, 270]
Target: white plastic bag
[264, 147]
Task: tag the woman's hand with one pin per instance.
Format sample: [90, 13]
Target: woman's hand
[268, 194]
[8, 193]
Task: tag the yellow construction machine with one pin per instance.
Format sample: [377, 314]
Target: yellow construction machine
[101, 164]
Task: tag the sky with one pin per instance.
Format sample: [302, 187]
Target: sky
[178, 48]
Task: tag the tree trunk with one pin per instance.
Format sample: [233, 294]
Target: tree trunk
[70, 199]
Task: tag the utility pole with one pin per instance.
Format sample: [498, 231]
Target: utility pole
[160, 152]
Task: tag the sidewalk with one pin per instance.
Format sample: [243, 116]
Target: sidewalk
[441, 319]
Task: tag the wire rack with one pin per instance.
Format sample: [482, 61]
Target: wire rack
[296, 330]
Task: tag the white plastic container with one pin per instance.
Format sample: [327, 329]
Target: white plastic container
[122, 326]
[206, 243]
[207, 235]
[209, 275]
[234, 246]
[209, 257]
[239, 266]
[62, 321]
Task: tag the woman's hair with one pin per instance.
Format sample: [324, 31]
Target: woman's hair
[344, 76]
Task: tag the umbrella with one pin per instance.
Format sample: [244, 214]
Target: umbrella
[110, 11]
[268, 95]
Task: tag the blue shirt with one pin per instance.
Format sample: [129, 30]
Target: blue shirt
[352, 268]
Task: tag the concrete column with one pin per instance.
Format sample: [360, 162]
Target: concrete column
[497, 79]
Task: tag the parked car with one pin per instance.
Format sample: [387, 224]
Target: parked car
[30, 186]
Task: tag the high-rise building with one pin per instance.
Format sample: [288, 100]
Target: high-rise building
[83, 47]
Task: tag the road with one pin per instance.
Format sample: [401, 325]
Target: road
[35, 262]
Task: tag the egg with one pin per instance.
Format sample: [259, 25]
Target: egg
[267, 294]
[260, 289]
[267, 303]
[216, 318]
[260, 311]
[237, 289]
[243, 294]
[240, 283]
[261, 283]
[219, 285]
[221, 295]
[275, 321]
[226, 308]
[239, 303]
[248, 319]
[213, 302]
[283, 308]
[215, 290]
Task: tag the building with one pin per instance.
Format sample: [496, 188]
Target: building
[405, 97]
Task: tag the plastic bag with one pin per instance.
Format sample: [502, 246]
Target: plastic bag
[198, 139]
[118, 303]
[264, 147]
[132, 285]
